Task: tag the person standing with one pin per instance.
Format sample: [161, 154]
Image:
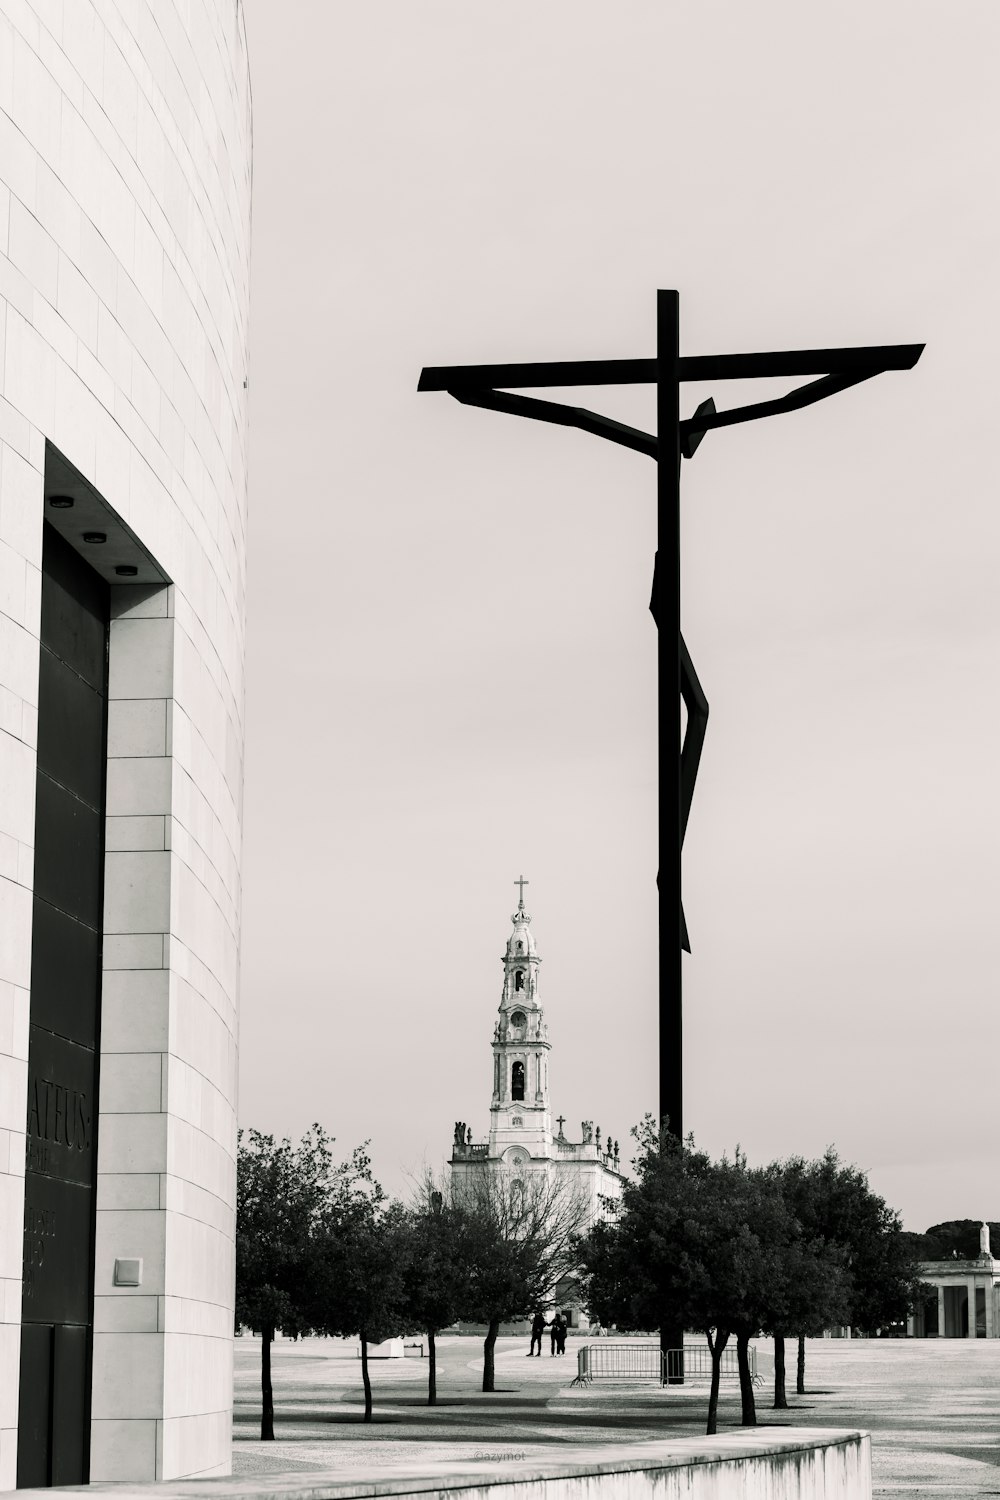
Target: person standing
[537, 1325]
[554, 1328]
[561, 1335]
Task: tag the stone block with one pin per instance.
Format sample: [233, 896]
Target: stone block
[137, 727]
[122, 1449]
[136, 889]
[135, 1010]
[141, 659]
[127, 1234]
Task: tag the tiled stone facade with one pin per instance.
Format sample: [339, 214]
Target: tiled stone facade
[124, 270]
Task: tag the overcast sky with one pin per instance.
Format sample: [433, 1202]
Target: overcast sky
[451, 665]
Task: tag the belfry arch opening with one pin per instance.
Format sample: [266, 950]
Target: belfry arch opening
[517, 1081]
[519, 979]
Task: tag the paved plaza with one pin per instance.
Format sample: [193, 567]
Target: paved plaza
[932, 1407]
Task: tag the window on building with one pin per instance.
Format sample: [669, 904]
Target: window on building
[517, 1081]
[520, 947]
[519, 979]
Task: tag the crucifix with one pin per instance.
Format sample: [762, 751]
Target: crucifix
[560, 1121]
[498, 388]
[520, 882]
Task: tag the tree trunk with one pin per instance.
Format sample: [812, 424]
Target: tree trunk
[800, 1367]
[713, 1394]
[266, 1389]
[749, 1415]
[780, 1401]
[432, 1390]
[366, 1378]
[489, 1343]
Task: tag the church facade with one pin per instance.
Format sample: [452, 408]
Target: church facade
[521, 1139]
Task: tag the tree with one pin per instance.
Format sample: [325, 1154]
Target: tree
[653, 1265]
[518, 1239]
[280, 1189]
[701, 1244]
[283, 1192]
[834, 1204]
[356, 1272]
[810, 1295]
[435, 1276]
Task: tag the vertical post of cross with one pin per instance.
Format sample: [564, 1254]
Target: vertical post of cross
[668, 572]
[668, 587]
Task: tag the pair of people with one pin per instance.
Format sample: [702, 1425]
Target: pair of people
[557, 1333]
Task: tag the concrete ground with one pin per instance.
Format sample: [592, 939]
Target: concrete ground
[932, 1407]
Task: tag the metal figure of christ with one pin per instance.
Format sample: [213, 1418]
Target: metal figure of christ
[497, 387]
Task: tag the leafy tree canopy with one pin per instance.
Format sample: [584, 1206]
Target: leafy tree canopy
[835, 1205]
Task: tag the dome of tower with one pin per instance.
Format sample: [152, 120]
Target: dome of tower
[521, 935]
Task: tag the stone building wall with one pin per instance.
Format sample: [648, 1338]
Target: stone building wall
[125, 138]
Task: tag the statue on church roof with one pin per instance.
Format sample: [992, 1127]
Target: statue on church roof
[587, 1127]
[984, 1239]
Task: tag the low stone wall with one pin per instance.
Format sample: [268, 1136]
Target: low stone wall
[766, 1463]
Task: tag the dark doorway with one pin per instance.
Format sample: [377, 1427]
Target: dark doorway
[61, 1160]
[956, 1312]
[930, 1313]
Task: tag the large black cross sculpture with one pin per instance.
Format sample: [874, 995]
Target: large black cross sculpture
[493, 386]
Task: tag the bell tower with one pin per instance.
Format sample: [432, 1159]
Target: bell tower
[519, 1113]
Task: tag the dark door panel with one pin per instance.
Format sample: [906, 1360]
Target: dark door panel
[34, 1406]
[70, 729]
[58, 1251]
[53, 1437]
[70, 1404]
[65, 974]
[61, 1108]
[74, 610]
[64, 1030]
[68, 843]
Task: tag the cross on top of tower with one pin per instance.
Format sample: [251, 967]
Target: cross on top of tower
[520, 882]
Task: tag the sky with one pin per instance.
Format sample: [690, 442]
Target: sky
[451, 667]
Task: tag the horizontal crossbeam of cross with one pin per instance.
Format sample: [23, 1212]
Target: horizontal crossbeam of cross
[495, 387]
[870, 359]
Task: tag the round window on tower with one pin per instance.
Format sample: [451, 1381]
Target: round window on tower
[518, 1018]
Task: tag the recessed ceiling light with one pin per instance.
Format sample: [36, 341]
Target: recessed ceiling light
[95, 536]
[126, 570]
[61, 502]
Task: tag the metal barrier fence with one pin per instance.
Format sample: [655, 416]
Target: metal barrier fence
[607, 1361]
[640, 1361]
[698, 1363]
